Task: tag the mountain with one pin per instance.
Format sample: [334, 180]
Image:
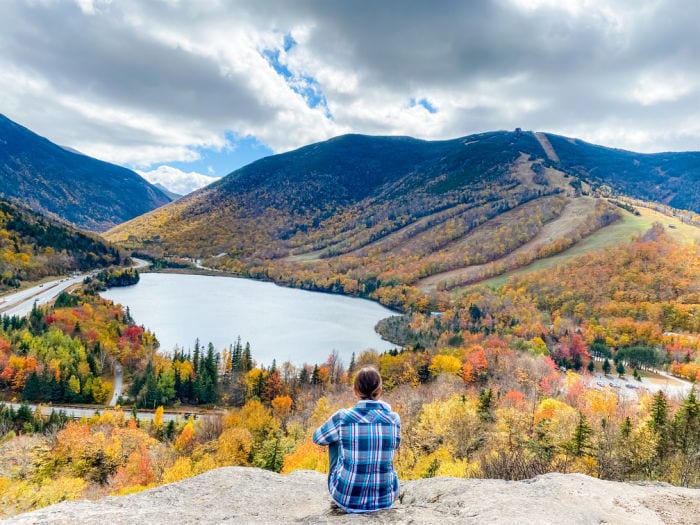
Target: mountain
[249, 495]
[89, 193]
[357, 213]
[669, 178]
[33, 246]
[171, 194]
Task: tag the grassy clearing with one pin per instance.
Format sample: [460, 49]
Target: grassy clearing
[622, 231]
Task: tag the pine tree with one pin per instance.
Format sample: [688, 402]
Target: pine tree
[484, 407]
[606, 366]
[626, 428]
[351, 368]
[32, 388]
[686, 425]
[236, 356]
[315, 376]
[659, 423]
[247, 358]
[195, 358]
[620, 368]
[580, 444]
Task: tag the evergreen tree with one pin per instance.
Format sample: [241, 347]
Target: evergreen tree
[315, 376]
[304, 376]
[620, 368]
[484, 406]
[236, 356]
[626, 428]
[659, 423]
[606, 366]
[195, 358]
[37, 325]
[169, 432]
[686, 426]
[659, 412]
[32, 388]
[351, 368]
[127, 317]
[591, 366]
[247, 358]
[580, 443]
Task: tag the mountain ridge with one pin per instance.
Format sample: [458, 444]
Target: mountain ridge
[90, 193]
[358, 213]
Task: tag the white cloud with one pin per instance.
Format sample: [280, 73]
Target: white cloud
[176, 180]
[660, 87]
[147, 83]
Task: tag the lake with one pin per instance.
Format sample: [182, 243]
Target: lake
[280, 323]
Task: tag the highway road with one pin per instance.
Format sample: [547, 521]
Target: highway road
[21, 303]
[89, 412]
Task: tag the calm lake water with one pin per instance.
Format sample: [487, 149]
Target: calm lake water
[280, 323]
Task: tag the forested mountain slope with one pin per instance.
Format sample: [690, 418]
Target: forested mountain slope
[360, 214]
[91, 194]
[33, 247]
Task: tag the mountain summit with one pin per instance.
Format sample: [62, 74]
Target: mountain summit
[91, 194]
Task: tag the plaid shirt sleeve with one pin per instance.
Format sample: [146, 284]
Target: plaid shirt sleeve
[329, 432]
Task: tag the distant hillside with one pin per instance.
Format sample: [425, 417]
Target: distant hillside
[669, 178]
[89, 193]
[33, 247]
[356, 213]
[171, 194]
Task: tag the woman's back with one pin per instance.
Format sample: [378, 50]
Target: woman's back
[363, 440]
[367, 435]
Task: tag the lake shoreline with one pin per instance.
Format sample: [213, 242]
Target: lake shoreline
[219, 273]
[280, 322]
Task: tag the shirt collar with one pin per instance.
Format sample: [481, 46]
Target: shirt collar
[373, 405]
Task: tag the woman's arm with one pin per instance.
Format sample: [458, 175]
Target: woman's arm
[328, 432]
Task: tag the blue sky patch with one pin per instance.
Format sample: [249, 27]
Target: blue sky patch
[218, 163]
[304, 85]
[425, 103]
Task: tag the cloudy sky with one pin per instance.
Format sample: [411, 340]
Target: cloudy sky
[184, 91]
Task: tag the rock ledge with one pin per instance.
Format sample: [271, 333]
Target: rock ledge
[249, 495]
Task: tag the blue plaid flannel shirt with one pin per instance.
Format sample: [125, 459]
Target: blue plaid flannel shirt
[367, 435]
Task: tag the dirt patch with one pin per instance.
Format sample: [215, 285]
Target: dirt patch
[547, 146]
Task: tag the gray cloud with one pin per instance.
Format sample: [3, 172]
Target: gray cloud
[107, 58]
[149, 82]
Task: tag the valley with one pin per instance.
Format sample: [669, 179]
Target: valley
[215, 216]
[542, 320]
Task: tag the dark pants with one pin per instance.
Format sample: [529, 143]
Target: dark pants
[332, 457]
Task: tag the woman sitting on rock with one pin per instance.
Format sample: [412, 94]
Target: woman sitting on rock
[362, 441]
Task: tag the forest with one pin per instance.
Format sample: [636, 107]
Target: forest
[501, 382]
[33, 247]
